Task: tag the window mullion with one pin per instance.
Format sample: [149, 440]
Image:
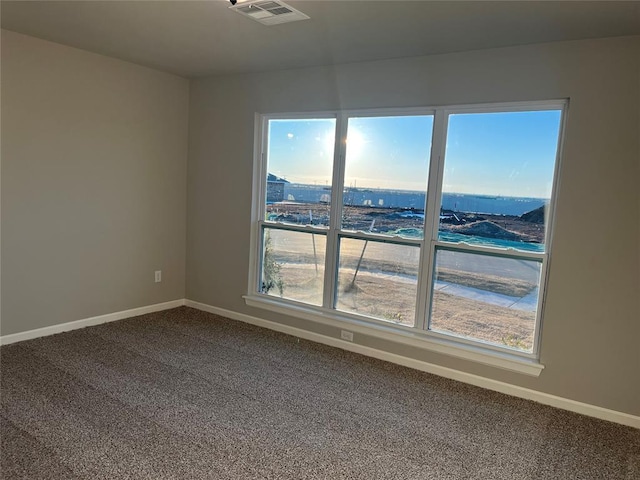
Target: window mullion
[292, 227]
[335, 215]
[484, 250]
[432, 219]
[376, 237]
[537, 329]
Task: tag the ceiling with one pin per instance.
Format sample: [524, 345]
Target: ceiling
[199, 38]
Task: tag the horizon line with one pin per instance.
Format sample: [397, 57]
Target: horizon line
[422, 192]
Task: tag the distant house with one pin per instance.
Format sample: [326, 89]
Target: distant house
[275, 188]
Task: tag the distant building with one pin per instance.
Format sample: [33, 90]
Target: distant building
[275, 188]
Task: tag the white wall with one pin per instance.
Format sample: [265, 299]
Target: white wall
[93, 184]
[592, 321]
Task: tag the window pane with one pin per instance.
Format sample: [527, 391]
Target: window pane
[386, 170]
[498, 175]
[293, 265]
[378, 279]
[299, 170]
[487, 298]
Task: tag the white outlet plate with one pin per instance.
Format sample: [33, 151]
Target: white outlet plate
[345, 335]
[158, 276]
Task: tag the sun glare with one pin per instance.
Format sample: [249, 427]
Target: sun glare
[355, 144]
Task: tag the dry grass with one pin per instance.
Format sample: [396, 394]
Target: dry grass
[482, 321]
[491, 283]
[392, 298]
[385, 297]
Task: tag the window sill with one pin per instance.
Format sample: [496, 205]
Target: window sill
[401, 335]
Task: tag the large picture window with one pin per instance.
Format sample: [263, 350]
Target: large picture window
[429, 222]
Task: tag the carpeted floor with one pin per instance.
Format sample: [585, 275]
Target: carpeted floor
[183, 394]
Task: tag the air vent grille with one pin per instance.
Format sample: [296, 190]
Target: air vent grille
[269, 5]
[279, 10]
[268, 12]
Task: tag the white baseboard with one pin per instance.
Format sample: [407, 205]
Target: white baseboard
[483, 382]
[87, 322]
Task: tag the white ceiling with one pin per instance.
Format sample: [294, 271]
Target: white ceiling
[198, 38]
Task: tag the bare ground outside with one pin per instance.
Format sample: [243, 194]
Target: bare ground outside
[392, 297]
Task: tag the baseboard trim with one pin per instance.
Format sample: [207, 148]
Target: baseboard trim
[87, 322]
[483, 382]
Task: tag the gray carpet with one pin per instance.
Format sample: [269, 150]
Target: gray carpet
[184, 394]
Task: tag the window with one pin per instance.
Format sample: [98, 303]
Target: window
[428, 222]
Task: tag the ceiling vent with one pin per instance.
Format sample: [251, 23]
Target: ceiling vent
[268, 12]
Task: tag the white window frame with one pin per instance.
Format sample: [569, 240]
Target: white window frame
[418, 335]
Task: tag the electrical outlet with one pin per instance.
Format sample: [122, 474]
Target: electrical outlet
[158, 276]
[348, 336]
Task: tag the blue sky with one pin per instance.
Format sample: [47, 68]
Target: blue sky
[302, 150]
[509, 154]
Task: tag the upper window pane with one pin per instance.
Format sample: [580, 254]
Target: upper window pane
[498, 177]
[386, 171]
[299, 170]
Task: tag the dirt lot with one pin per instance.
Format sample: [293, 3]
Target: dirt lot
[389, 220]
[392, 298]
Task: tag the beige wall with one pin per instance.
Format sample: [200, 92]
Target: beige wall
[93, 184]
[592, 322]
